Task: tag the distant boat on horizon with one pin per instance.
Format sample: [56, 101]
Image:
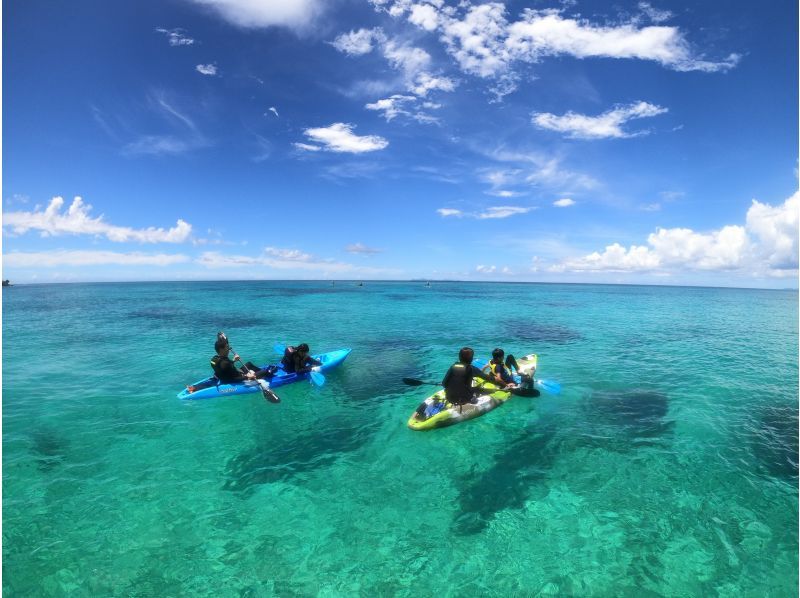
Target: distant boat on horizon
[6, 283]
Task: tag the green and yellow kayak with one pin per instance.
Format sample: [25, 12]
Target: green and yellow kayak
[444, 413]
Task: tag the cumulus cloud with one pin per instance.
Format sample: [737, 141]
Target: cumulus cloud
[564, 202]
[207, 69]
[77, 221]
[446, 212]
[54, 259]
[608, 124]
[362, 249]
[254, 14]
[485, 43]
[339, 137]
[176, 37]
[766, 245]
[483, 269]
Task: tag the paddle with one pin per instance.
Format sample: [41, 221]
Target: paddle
[520, 392]
[268, 393]
[316, 377]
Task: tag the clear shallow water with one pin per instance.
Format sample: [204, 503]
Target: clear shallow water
[667, 467]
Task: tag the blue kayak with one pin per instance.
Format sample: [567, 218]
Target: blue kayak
[211, 387]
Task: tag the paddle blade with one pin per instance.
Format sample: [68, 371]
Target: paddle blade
[317, 378]
[279, 348]
[553, 388]
[270, 396]
[525, 392]
[413, 382]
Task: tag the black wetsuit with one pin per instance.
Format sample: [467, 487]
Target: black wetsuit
[227, 372]
[294, 363]
[457, 382]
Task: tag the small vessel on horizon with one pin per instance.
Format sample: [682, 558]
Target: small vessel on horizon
[7, 283]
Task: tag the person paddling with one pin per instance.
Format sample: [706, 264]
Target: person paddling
[503, 371]
[226, 371]
[296, 360]
[457, 382]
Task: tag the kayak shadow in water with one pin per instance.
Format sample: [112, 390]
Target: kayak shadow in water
[621, 421]
[516, 475]
[49, 447]
[775, 441]
[263, 464]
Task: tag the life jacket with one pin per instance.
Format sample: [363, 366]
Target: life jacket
[215, 365]
[459, 386]
[288, 359]
[500, 369]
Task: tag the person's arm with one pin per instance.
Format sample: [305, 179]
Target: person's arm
[476, 373]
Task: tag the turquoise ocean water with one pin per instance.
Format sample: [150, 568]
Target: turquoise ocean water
[667, 466]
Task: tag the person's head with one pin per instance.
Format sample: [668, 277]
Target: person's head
[465, 355]
[221, 346]
[498, 354]
[302, 348]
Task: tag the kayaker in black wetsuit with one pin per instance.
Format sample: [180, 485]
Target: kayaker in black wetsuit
[225, 368]
[296, 360]
[457, 382]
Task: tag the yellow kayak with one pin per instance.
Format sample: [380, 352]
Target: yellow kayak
[444, 413]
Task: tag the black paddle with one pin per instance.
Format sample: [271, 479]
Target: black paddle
[519, 392]
[268, 393]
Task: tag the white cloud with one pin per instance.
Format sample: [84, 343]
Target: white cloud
[392, 107]
[283, 260]
[490, 213]
[339, 137]
[775, 231]
[425, 16]
[564, 202]
[406, 58]
[296, 14]
[76, 220]
[424, 83]
[411, 61]
[402, 105]
[274, 111]
[608, 124]
[655, 15]
[766, 245]
[53, 259]
[502, 212]
[362, 249]
[307, 147]
[176, 37]
[485, 44]
[357, 43]
[485, 269]
[207, 69]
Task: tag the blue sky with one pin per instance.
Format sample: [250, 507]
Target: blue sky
[628, 142]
